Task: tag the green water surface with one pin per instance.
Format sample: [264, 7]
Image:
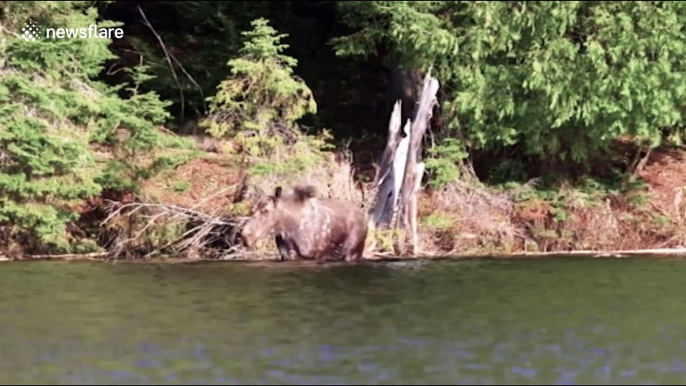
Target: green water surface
[485, 322]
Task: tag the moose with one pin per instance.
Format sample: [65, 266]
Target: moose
[311, 227]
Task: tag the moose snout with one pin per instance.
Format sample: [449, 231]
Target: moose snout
[246, 238]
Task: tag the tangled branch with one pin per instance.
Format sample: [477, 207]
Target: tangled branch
[203, 231]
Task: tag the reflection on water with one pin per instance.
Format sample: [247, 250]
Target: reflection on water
[559, 322]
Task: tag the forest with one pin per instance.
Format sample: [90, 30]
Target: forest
[558, 125]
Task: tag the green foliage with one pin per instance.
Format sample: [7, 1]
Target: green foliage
[262, 92]
[180, 186]
[137, 115]
[438, 221]
[304, 155]
[53, 112]
[560, 80]
[442, 165]
[507, 171]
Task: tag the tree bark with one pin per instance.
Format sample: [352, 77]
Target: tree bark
[398, 180]
[385, 185]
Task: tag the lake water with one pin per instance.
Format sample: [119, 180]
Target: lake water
[478, 322]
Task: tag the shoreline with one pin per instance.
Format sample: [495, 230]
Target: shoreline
[652, 254]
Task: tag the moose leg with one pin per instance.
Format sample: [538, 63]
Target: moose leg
[291, 249]
[319, 256]
[355, 255]
[353, 248]
[283, 246]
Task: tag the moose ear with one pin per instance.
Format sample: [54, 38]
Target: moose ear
[277, 195]
[304, 192]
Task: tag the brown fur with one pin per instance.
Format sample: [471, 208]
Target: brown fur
[313, 228]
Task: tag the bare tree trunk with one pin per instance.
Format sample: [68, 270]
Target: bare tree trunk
[398, 180]
[386, 193]
[412, 177]
[412, 207]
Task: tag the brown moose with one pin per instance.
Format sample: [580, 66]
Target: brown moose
[313, 228]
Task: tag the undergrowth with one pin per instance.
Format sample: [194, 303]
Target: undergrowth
[547, 216]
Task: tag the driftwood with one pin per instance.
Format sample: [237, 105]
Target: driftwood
[201, 229]
[399, 177]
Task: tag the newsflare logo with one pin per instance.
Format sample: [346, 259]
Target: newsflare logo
[32, 31]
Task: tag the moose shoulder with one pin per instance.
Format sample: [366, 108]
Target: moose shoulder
[313, 228]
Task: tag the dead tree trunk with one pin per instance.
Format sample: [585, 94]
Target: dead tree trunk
[398, 180]
[392, 165]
